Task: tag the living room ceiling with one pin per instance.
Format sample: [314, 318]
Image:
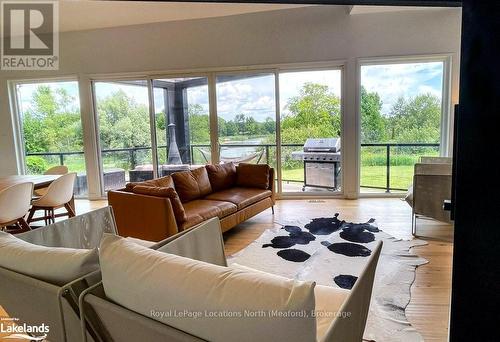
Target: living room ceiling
[77, 15]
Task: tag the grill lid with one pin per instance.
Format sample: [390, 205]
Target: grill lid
[322, 145]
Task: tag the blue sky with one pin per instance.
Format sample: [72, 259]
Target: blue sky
[25, 92]
[391, 81]
[255, 95]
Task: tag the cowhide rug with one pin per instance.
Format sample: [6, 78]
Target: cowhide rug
[333, 252]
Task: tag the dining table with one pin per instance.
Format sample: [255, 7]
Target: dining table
[39, 182]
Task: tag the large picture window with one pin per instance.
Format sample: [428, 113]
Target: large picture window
[152, 126]
[51, 128]
[124, 132]
[401, 120]
[246, 112]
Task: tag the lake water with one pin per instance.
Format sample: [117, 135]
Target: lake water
[233, 152]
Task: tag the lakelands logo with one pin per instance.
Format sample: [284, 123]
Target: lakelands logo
[30, 35]
[11, 330]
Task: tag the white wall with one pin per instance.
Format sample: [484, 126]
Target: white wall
[288, 36]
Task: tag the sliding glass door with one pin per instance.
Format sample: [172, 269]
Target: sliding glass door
[152, 127]
[125, 149]
[182, 123]
[246, 112]
[310, 110]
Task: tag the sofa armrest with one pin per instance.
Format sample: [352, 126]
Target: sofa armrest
[436, 160]
[202, 242]
[142, 216]
[432, 169]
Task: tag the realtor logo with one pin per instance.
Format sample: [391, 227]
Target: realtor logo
[30, 37]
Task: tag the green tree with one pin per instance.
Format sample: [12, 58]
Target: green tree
[123, 122]
[251, 126]
[372, 121]
[269, 126]
[52, 122]
[414, 120]
[199, 124]
[314, 113]
[240, 122]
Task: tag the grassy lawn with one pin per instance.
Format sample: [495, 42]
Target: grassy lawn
[401, 175]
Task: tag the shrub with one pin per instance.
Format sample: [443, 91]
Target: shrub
[36, 164]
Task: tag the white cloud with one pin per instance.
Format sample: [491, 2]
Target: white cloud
[392, 81]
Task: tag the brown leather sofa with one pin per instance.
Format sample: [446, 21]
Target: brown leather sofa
[159, 208]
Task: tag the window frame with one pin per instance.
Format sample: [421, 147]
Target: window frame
[446, 106]
[340, 66]
[16, 113]
[350, 117]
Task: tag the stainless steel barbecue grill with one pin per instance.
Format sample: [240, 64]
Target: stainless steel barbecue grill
[321, 159]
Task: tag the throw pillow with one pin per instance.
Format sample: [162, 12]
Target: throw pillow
[253, 175]
[221, 176]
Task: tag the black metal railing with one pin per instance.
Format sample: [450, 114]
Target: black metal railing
[267, 156]
[387, 146]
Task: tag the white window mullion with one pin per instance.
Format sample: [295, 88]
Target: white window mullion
[152, 125]
[278, 131]
[90, 137]
[214, 130]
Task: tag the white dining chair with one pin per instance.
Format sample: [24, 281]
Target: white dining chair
[14, 205]
[55, 170]
[59, 194]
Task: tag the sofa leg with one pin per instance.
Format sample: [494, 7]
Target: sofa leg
[272, 209]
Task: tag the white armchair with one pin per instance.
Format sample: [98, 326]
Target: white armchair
[35, 301]
[431, 187]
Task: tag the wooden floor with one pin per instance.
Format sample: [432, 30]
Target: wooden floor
[428, 310]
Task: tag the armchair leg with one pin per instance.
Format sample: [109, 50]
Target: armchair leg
[272, 209]
[31, 214]
[23, 224]
[69, 208]
[52, 216]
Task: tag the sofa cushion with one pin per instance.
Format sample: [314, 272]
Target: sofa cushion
[55, 265]
[328, 301]
[221, 176]
[177, 207]
[198, 211]
[156, 191]
[191, 185]
[253, 175]
[164, 182]
[242, 197]
[147, 281]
